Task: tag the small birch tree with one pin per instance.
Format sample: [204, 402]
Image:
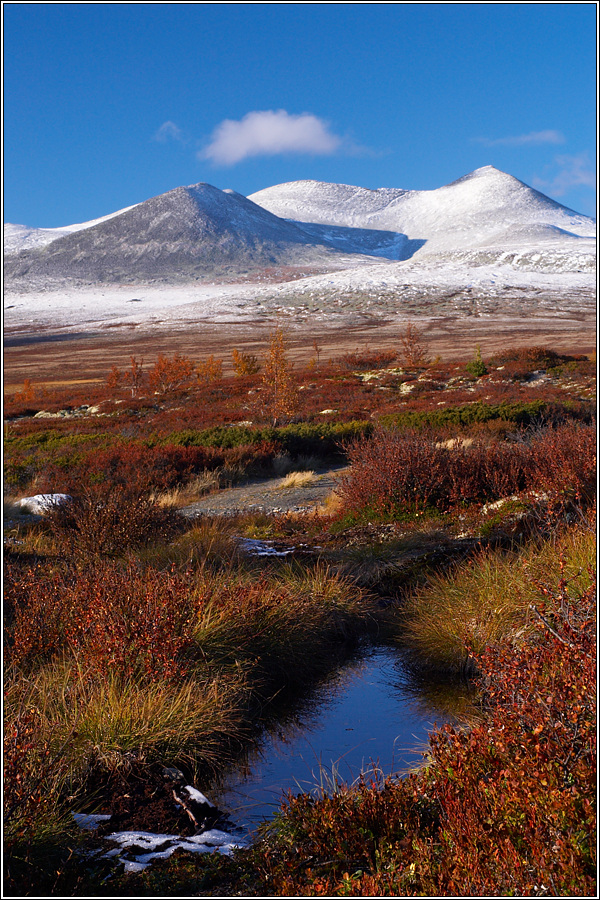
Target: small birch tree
[280, 392]
[415, 350]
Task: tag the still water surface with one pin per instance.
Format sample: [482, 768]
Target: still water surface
[368, 714]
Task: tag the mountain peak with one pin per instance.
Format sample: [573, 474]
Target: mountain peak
[488, 170]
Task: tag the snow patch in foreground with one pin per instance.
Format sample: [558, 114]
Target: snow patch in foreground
[40, 504]
[161, 846]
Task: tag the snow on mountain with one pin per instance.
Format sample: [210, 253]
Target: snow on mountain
[187, 233]
[21, 237]
[484, 206]
[486, 244]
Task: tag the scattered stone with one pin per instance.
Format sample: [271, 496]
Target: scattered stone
[492, 507]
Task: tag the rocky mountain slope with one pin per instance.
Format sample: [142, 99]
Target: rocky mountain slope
[185, 234]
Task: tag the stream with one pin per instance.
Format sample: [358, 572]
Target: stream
[369, 713]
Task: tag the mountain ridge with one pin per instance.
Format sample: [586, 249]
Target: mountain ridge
[473, 206]
[199, 232]
[185, 233]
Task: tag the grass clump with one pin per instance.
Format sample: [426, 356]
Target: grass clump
[296, 480]
[447, 624]
[120, 723]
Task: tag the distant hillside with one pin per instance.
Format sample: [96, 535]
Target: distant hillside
[485, 206]
[189, 232]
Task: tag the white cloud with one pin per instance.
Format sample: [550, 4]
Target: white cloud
[168, 131]
[269, 133]
[520, 140]
[574, 171]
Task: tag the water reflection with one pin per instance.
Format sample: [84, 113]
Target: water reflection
[368, 715]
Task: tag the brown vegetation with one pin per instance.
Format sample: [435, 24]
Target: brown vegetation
[134, 638]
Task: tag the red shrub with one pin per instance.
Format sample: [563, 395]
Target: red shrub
[120, 621]
[410, 470]
[109, 521]
[367, 359]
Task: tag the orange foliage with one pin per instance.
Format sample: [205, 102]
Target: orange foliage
[244, 363]
[280, 396]
[170, 374]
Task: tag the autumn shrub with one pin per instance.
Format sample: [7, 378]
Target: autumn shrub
[159, 466]
[279, 398]
[410, 470]
[134, 378]
[415, 348]
[210, 370]
[364, 360]
[244, 363]
[519, 363]
[109, 521]
[117, 620]
[171, 374]
[140, 468]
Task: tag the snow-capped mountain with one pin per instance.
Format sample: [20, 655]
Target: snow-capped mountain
[309, 250]
[483, 208]
[187, 233]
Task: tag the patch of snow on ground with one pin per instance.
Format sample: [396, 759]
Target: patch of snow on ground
[42, 503]
[161, 846]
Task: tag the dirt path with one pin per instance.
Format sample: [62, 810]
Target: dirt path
[268, 496]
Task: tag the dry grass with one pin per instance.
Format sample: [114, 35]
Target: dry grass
[332, 505]
[487, 603]
[296, 480]
[116, 723]
[194, 490]
[209, 543]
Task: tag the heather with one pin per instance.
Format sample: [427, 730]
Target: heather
[407, 469]
[462, 532]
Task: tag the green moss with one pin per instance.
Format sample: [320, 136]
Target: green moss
[301, 438]
[468, 414]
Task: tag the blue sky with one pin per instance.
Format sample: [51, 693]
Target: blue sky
[108, 104]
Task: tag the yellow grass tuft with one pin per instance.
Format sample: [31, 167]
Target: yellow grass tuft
[488, 602]
[296, 480]
[184, 495]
